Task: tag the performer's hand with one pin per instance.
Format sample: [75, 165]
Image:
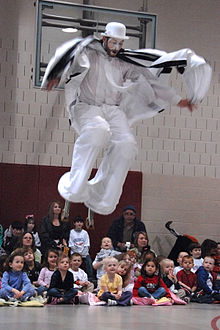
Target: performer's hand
[52, 84]
[185, 103]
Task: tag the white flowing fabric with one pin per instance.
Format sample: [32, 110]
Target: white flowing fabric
[104, 96]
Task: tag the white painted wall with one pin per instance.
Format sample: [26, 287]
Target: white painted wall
[178, 151]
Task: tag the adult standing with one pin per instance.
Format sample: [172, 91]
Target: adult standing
[104, 96]
[54, 233]
[123, 230]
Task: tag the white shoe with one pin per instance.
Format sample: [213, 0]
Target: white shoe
[112, 302]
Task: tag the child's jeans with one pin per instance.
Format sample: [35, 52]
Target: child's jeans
[159, 293]
[5, 294]
[123, 301]
[67, 295]
[41, 289]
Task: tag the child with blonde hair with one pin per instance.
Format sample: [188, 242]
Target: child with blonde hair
[169, 278]
[179, 261]
[111, 285]
[124, 270]
[106, 251]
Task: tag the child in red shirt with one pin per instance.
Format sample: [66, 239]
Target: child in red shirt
[149, 284]
[187, 279]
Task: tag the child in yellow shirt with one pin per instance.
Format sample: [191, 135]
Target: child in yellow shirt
[111, 285]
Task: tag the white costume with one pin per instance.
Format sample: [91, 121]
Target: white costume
[104, 96]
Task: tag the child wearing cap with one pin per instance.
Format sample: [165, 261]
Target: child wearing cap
[79, 242]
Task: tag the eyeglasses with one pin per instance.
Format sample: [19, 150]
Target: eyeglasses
[129, 213]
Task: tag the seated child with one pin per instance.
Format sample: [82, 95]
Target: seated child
[79, 242]
[31, 267]
[217, 261]
[49, 267]
[187, 279]
[207, 278]
[15, 282]
[179, 261]
[111, 285]
[81, 282]
[195, 251]
[135, 267]
[3, 259]
[150, 284]
[106, 251]
[61, 289]
[30, 226]
[124, 270]
[167, 268]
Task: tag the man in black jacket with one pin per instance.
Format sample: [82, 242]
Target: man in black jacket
[122, 230]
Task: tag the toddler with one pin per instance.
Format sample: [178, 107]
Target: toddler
[47, 271]
[124, 270]
[186, 278]
[167, 272]
[79, 242]
[61, 289]
[15, 282]
[30, 227]
[195, 251]
[207, 278]
[31, 267]
[80, 277]
[217, 261]
[179, 261]
[150, 284]
[111, 285]
[106, 251]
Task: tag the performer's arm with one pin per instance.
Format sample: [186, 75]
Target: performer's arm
[52, 84]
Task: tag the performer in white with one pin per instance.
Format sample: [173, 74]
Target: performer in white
[105, 94]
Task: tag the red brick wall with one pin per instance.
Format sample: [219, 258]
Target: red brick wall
[28, 189]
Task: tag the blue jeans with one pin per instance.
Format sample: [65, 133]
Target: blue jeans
[88, 267]
[159, 293]
[41, 289]
[67, 295]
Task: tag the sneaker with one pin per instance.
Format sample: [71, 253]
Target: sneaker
[12, 299]
[131, 303]
[186, 299]
[112, 302]
[53, 301]
[149, 300]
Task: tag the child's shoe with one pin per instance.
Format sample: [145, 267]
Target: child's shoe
[112, 302]
[186, 299]
[162, 302]
[53, 301]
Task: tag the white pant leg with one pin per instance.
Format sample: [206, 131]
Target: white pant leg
[94, 133]
[106, 187]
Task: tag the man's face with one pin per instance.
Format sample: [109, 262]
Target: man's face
[129, 215]
[112, 46]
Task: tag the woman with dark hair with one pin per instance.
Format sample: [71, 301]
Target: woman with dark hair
[54, 233]
[26, 240]
[141, 245]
